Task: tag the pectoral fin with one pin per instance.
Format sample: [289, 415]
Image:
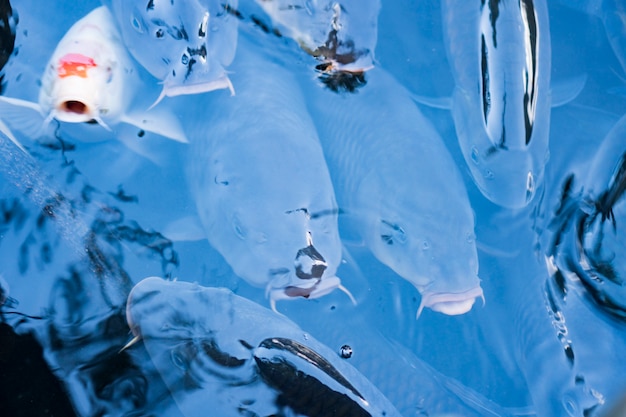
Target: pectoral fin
[163, 123]
[444, 103]
[567, 90]
[23, 116]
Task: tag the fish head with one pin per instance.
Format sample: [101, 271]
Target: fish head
[275, 223]
[193, 325]
[185, 44]
[88, 74]
[342, 37]
[506, 171]
[435, 250]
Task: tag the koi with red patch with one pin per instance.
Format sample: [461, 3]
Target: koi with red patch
[75, 65]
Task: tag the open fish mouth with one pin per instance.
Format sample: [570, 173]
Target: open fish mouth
[450, 303]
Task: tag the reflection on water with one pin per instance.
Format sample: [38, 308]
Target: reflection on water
[308, 151]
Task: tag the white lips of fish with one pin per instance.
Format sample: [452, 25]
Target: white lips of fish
[426, 268]
[90, 77]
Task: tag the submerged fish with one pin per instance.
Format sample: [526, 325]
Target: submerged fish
[201, 337]
[185, 44]
[89, 78]
[406, 195]
[262, 188]
[341, 34]
[499, 52]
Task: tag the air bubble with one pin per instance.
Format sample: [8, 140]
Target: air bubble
[345, 351]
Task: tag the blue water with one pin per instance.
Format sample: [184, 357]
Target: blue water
[81, 223]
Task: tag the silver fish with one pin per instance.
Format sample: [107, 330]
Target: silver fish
[261, 185]
[499, 52]
[406, 195]
[219, 339]
[185, 44]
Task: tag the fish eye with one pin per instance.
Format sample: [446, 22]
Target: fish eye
[137, 23]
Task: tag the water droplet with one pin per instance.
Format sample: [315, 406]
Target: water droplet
[345, 351]
[425, 245]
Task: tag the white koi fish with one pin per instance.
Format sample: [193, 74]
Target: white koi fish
[187, 44]
[262, 189]
[210, 339]
[89, 78]
[394, 176]
[342, 34]
[499, 52]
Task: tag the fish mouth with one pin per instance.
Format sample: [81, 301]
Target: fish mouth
[450, 303]
[320, 288]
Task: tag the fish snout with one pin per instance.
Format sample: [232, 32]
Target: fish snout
[74, 100]
[309, 263]
[450, 303]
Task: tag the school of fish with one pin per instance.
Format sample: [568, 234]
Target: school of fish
[269, 208]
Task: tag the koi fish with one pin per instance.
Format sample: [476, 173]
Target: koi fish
[262, 189]
[500, 57]
[405, 196]
[89, 78]
[185, 44]
[340, 34]
[209, 338]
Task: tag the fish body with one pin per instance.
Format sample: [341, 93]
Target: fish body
[90, 78]
[241, 341]
[499, 52]
[341, 34]
[262, 188]
[185, 44]
[394, 176]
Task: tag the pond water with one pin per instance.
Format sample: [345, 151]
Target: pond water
[382, 251]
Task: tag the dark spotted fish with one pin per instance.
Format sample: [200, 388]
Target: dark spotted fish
[261, 185]
[205, 339]
[185, 44]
